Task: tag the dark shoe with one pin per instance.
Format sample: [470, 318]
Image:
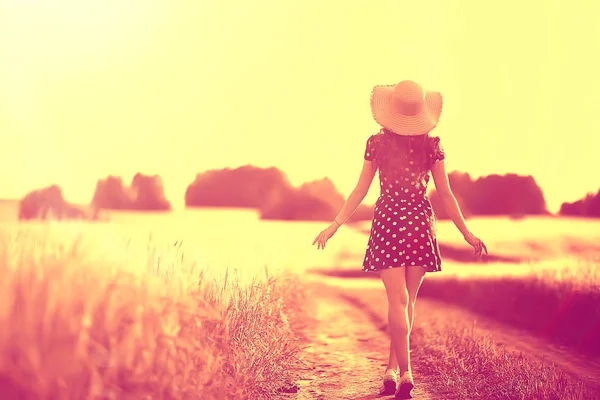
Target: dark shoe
[390, 381]
[405, 386]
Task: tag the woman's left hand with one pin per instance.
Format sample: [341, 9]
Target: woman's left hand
[324, 236]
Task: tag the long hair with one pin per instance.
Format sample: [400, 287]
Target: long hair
[396, 151]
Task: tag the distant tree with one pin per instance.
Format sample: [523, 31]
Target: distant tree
[324, 189]
[270, 191]
[589, 206]
[266, 189]
[112, 194]
[295, 204]
[317, 200]
[145, 193]
[460, 183]
[48, 203]
[592, 207]
[38, 203]
[245, 187]
[149, 193]
[508, 194]
[574, 209]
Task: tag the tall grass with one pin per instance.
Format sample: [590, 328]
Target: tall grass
[562, 305]
[78, 325]
[464, 365]
[457, 361]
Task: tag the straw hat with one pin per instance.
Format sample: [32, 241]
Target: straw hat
[406, 109]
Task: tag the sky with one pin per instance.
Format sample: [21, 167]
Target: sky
[92, 88]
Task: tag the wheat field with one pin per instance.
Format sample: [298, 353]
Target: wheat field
[83, 319]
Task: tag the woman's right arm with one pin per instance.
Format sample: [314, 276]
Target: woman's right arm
[442, 187]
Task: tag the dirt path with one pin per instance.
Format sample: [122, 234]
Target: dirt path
[346, 353]
[344, 331]
[365, 294]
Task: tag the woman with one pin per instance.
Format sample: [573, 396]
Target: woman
[402, 243]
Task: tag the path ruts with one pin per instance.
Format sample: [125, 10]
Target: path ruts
[346, 349]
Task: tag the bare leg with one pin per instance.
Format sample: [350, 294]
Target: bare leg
[414, 279]
[394, 280]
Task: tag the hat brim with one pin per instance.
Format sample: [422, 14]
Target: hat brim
[413, 125]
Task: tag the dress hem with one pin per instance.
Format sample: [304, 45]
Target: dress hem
[400, 266]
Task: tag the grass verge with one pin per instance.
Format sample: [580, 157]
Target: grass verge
[561, 306]
[469, 366]
[78, 326]
[462, 363]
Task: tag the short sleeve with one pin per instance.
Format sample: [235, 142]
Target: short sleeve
[438, 153]
[370, 149]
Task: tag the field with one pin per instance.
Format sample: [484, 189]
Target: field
[84, 318]
[203, 304]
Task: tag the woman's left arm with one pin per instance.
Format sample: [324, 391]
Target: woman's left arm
[356, 197]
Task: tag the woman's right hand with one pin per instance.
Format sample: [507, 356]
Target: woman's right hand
[477, 244]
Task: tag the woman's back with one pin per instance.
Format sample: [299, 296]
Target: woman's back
[403, 162]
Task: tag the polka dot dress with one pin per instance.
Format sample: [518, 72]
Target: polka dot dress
[403, 226]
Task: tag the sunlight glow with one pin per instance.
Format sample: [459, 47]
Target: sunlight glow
[94, 88]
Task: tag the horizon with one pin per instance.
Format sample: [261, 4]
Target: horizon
[181, 204]
[112, 88]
